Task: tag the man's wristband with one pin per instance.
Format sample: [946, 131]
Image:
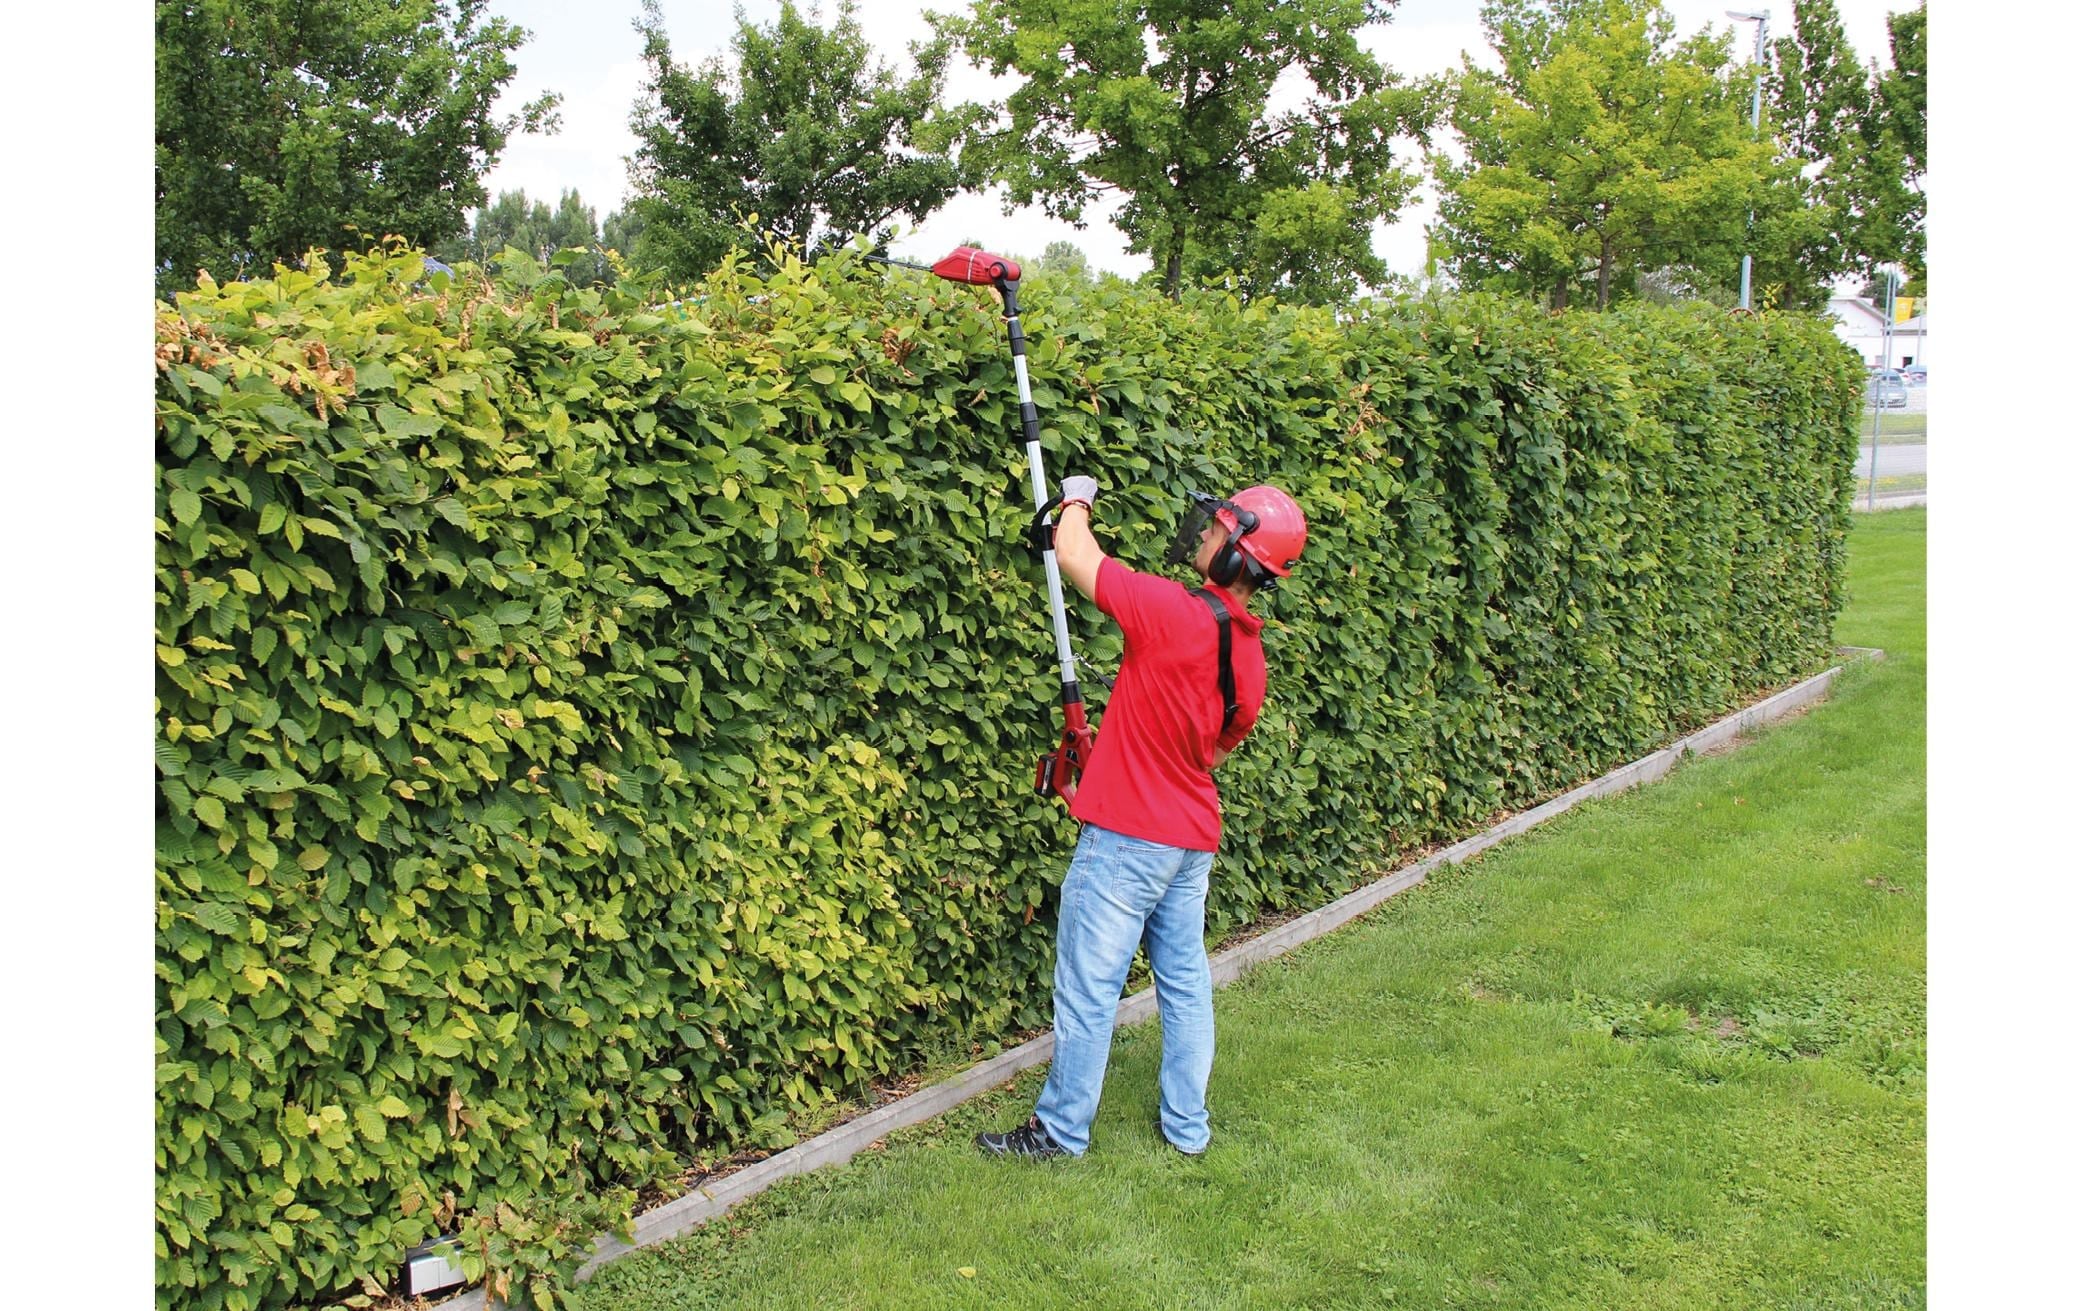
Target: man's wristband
[1087, 504]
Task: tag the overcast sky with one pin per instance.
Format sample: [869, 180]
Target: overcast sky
[589, 54]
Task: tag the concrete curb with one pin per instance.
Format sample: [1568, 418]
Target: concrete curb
[1884, 503]
[841, 1144]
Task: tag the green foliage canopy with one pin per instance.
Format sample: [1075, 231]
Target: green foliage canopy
[1169, 103]
[804, 130]
[1898, 135]
[1817, 100]
[282, 125]
[1858, 143]
[1605, 149]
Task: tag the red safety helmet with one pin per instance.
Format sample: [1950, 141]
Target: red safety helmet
[1276, 542]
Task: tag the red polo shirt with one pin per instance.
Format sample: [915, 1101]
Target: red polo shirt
[1150, 772]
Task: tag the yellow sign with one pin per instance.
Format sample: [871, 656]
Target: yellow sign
[1905, 308]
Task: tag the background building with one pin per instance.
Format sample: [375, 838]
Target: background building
[1859, 323]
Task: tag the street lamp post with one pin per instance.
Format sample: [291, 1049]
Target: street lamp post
[1757, 94]
[1887, 352]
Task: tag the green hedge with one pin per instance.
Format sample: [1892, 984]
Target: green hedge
[589, 731]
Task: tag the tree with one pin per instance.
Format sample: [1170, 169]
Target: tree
[509, 221]
[1877, 288]
[1167, 103]
[803, 131]
[1677, 285]
[571, 226]
[622, 231]
[1817, 97]
[1896, 133]
[1603, 150]
[1858, 141]
[281, 125]
[1312, 243]
[572, 223]
[540, 232]
[1066, 259]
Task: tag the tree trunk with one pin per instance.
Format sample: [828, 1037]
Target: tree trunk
[1558, 299]
[1605, 273]
[1174, 257]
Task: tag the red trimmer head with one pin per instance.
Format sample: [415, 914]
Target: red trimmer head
[977, 267]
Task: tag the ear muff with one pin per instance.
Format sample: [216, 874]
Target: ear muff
[1228, 564]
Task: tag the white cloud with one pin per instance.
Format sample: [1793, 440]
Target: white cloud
[587, 152]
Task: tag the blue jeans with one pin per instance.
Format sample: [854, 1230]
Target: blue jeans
[1121, 891]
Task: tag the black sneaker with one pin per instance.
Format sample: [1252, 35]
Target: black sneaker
[1030, 1141]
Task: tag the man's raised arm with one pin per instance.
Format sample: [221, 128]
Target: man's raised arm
[1077, 551]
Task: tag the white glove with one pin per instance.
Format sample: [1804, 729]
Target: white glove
[1078, 487]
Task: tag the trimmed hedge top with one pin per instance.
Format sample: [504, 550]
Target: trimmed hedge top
[589, 731]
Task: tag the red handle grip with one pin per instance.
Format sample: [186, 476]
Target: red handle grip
[1058, 771]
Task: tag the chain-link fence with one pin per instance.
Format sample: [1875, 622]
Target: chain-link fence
[1892, 445]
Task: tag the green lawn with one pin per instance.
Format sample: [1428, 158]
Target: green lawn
[1667, 1051]
[1895, 428]
[1893, 485]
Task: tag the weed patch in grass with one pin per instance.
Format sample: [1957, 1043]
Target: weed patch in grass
[1894, 484]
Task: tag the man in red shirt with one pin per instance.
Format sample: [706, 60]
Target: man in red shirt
[1193, 675]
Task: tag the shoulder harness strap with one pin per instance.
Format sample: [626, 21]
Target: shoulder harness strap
[1226, 675]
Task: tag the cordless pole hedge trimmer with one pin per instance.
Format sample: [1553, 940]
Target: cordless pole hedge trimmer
[1057, 771]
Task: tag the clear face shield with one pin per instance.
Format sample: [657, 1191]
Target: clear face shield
[1200, 512]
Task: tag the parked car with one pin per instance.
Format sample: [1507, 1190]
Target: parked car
[1914, 375]
[1886, 389]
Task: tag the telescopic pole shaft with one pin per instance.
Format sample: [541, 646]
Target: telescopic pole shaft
[1030, 425]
